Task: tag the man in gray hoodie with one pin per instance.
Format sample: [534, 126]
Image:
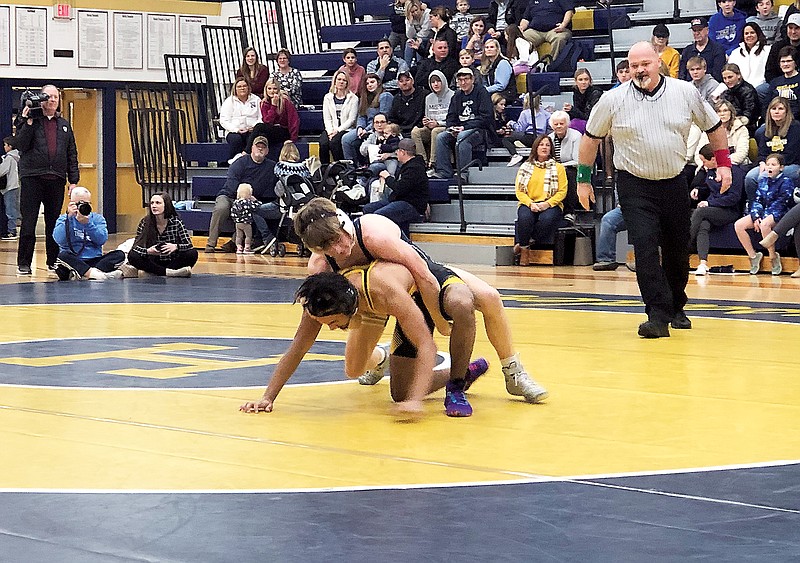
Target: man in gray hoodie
[433, 122]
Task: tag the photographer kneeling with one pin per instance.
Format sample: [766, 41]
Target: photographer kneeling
[48, 160]
[81, 234]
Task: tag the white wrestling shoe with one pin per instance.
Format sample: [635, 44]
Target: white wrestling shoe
[373, 376]
[520, 384]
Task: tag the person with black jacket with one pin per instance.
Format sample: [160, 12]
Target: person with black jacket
[440, 18]
[512, 13]
[408, 198]
[408, 106]
[441, 61]
[584, 97]
[742, 96]
[772, 69]
[48, 160]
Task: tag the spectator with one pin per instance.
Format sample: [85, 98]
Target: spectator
[519, 50]
[162, 246]
[725, 27]
[767, 20]
[667, 54]
[773, 200]
[477, 37]
[440, 18]
[397, 20]
[779, 134]
[526, 128]
[238, 115]
[566, 140]
[714, 209]
[440, 60]
[387, 67]
[408, 199]
[386, 156]
[793, 9]
[81, 234]
[711, 51]
[408, 106]
[253, 71]
[790, 221]
[372, 100]
[742, 95]
[9, 170]
[437, 104]
[751, 58]
[611, 224]
[371, 146]
[279, 119]
[709, 88]
[254, 169]
[773, 66]
[623, 72]
[48, 159]
[503, 13]
[289, 78]
[541, 186]
[469, 119]
[548, 22]
[501, 124]
[584, 96]
[738, 136]
[496, 72]
[418, 30]
[339, 113]
[242, 215]
[788, 85]
[461, 19]
[355, 71]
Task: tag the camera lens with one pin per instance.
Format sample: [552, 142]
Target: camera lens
[84, 208]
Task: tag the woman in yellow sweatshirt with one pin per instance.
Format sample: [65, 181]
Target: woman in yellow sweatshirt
[541, 186]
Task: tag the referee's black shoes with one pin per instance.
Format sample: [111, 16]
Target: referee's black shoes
[681, 321]
[653, 329]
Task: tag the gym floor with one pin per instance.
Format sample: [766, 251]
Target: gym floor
[122, 439]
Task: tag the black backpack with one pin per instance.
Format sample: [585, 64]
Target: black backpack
[574, 51]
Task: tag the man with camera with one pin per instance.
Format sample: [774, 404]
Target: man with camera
[81, 234]
[48, 160]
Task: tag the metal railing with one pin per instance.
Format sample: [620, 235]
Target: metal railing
[224, 46]
[189, 90]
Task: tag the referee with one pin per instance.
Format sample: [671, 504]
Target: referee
[649, 118]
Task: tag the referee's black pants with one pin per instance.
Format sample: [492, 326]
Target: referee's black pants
[657, 213]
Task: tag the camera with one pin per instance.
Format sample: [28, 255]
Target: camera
[34, 100]
[84, 208]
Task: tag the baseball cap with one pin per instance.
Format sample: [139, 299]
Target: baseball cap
[405, 73]
[465, 71]
[699, 22]
[407, 145]
[261, 140]
[794, 19]
[661, 30]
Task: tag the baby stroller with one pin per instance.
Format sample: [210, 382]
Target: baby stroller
[293, 193]
[340, 185]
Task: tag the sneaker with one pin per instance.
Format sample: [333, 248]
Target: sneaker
[373, 376]
[268, 245]
[210, 250]
[247, 251]
[431, 173]
[766, 242]
[239, 250]
[185, 272]
[681, 321]
[24, 271]
[114, 275]
[455, 401]
[516, 159]
[520, 384]
[65, 272]
[569, 218]
[605, 266]
[128, 271]
[476, 369]
[777, 267]
[796, 274]
[653, 329]
[701, 270]
[755, 262]
[10, 236]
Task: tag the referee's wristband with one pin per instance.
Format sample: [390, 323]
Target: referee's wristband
[584, 174]
[723, 157]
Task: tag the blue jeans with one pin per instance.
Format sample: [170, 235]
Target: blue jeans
[445, 143]
[539, 227]
[11, 201]
[351, 142]
[791, 171]
[611, 224]
[400, 212]
[105, 263]
[267, 212]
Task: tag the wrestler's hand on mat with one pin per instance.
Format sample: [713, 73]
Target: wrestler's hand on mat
[264, 405]
[408, 411]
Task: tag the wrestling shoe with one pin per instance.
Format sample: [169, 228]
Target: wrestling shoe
[520, 384]
[455, 401]
[476, 369]
[373, 376]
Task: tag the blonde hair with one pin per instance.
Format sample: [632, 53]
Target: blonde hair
[771, 128]
[317, 224]
[392, 129]
[244, 191]
[333, 81]
[281, 95]
[289, 152]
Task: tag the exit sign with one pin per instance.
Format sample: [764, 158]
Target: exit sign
[63, 11]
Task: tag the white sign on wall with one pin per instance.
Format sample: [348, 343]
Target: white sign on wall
[160, 39]
[31, 35]
[92, 39]
[128, 40]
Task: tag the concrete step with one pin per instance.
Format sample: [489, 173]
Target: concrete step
[495, 175]
[494, 190]
[477, 212]
[453, 228]
[455, 253]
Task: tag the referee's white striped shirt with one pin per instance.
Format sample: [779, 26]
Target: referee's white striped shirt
[650, 131]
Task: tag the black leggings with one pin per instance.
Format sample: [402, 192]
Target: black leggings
[153, 265]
